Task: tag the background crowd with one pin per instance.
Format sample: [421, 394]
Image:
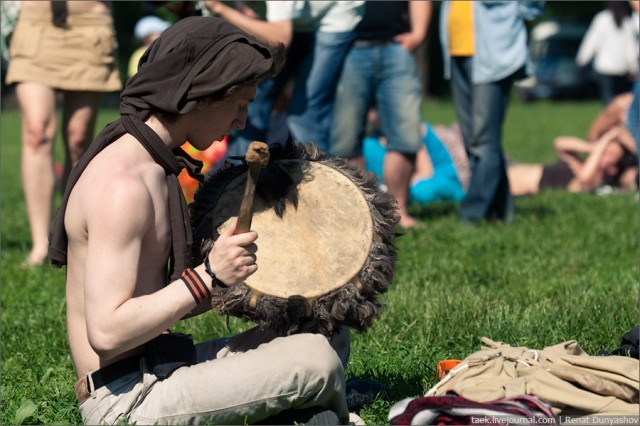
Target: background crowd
[352, 86]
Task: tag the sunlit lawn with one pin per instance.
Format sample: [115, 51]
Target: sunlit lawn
[566, 269]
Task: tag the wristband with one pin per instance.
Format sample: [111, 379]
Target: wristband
[215, 280]
[196, 286]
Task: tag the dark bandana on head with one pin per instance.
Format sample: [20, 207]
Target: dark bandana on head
[195, 58]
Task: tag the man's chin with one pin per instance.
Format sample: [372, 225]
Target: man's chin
[220, 138]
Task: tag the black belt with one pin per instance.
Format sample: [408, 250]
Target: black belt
[373, 43]
[114, 371]
[106, 375]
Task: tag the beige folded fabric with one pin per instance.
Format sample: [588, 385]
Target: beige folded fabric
[570, 380]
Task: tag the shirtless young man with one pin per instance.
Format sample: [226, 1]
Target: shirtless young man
[195, 84]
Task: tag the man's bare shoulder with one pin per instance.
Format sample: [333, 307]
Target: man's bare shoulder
[119, 186]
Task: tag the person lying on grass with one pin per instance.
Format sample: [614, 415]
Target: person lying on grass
[123, 232]
[435, 176]
[610, 162]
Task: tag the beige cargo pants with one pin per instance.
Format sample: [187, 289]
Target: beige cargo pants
[238, 380]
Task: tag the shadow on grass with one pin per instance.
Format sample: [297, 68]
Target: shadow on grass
[434, 211]
[526, 210]
[9, 243]
[401, 387]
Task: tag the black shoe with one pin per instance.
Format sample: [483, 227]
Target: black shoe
[362, 392]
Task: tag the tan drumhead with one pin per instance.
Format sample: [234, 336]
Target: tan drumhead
[314, 249]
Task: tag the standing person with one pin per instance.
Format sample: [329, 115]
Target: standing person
[380, 69]
[122, 230]
[9, 11]
[611, 41]
[318, 35]
[146, 31]
[633, 118]
[66, 47]
[484, 45]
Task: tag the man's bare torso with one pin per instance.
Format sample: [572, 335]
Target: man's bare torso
[122, 160]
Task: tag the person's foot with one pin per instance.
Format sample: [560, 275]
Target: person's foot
[407, 222]
[35, 258]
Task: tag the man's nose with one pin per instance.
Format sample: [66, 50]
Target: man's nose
[239, 124]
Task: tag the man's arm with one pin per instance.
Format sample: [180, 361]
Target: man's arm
[589, 43]
[420, 16]
[614, 114]
[268, 32]
[424, 166]
[119, 317]
[568, 149]
[126, 303]
[590, 173]
[626, 140]
[530, 9]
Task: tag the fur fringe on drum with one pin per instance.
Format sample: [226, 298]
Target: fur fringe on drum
[349, 305]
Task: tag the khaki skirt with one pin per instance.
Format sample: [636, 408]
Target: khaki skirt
[81, 57]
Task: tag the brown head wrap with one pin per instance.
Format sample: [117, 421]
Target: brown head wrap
[195, 58]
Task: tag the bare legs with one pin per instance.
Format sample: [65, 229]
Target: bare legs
[524, 179]
[37, 103]
[397, 170]
[79, 121]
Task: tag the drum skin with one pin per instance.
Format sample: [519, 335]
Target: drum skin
[325, 241]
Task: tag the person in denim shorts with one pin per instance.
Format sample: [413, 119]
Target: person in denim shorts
[381, 70]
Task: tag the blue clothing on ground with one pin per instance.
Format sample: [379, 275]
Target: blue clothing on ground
[373, 152]
[443, 185]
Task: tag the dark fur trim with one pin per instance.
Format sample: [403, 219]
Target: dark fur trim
[348, 305]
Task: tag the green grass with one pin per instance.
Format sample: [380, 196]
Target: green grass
[566, 269]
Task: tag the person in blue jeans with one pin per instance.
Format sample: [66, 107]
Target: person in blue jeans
[318, 36]
[435, 177]
[381, 70]
[484, 45]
